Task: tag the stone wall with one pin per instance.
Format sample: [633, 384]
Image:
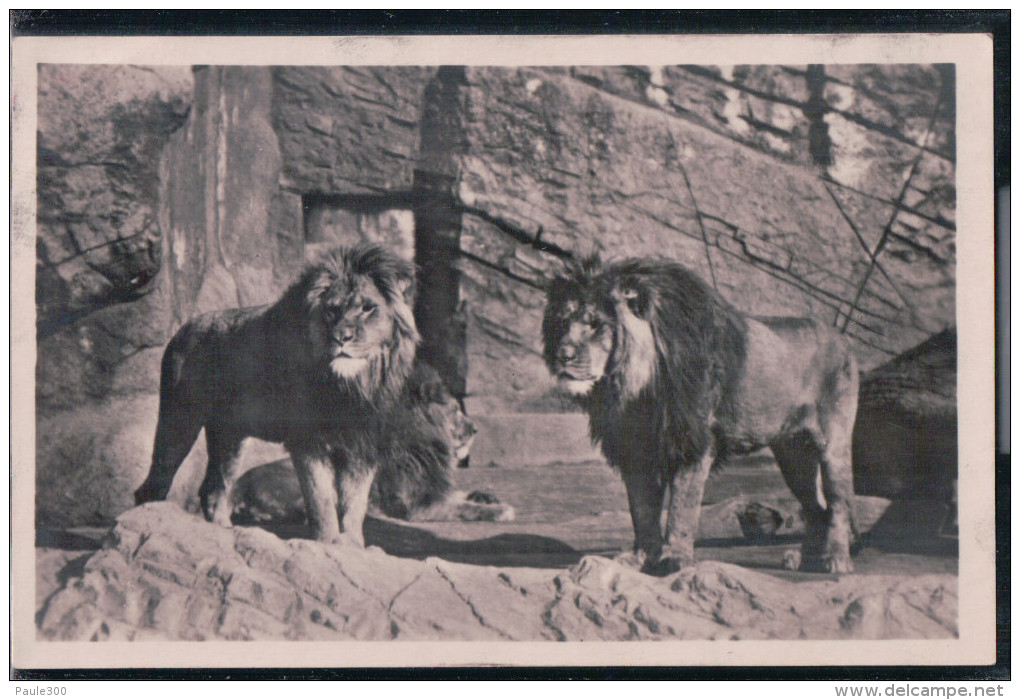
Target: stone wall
[791, 190]
[823, 191]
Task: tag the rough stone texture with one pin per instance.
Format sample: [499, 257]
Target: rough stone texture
[235, 238]
[100, 132]
[348, 129]
[99, 240]
[164, 574]
[225, 233]
[90, 461]
[544, 162]
[905, 438]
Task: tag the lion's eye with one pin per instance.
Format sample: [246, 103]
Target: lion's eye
[595, 322]
[367, 308]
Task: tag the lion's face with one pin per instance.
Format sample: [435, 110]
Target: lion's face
[444, 412]
[579, 340]
[460, 431]
[358, 325]
[361, 325]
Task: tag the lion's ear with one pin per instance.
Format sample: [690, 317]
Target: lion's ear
[635, 295]
[315, 283]
[405, 287]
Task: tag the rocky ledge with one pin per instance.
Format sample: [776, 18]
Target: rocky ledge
[165, 574]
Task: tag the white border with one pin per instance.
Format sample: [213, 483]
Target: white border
[972, 55]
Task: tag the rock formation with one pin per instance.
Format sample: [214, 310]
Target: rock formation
[905, 437]
[165, 574]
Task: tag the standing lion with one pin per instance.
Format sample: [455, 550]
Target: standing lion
[318, 371]
[674, 379]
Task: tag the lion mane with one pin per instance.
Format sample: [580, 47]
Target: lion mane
[318, 371]
[672, 372]
[427, 435]
[674, 379]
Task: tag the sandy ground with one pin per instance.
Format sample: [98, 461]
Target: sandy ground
[564, 512]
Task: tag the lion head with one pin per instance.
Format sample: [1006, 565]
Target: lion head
[428, 393]
[426, 435]
[577, 328]
[645, 332]
[598, 323]
[359, 304]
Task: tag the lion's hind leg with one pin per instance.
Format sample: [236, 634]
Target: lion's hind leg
[836, 425]
[837, 486]
[176, 431]
[224, 450]
[798, 459]
[179, 422]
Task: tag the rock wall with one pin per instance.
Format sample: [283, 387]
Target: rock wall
[824, 191]
[99, 294]
[723, 170]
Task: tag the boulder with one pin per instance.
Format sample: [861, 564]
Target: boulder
[905, 437]
[90, 460]
[100, 133]
[165, 574]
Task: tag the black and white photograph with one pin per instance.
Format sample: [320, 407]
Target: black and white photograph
[683, 342]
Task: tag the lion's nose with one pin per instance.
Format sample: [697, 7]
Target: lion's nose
[345, 335]
[567, 352]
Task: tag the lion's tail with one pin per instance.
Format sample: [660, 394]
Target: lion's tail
[177, 427]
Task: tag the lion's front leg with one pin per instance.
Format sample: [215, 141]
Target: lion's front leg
[686, 490]
[645, 489]
[354, 484]
[318, 485]
[837, 486]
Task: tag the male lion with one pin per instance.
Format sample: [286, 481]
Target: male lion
[318, 371]
[674, 379]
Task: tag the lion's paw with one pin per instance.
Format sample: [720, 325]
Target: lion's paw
[667, 564]
[828, 563]
[837, 563]
[216, 510]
